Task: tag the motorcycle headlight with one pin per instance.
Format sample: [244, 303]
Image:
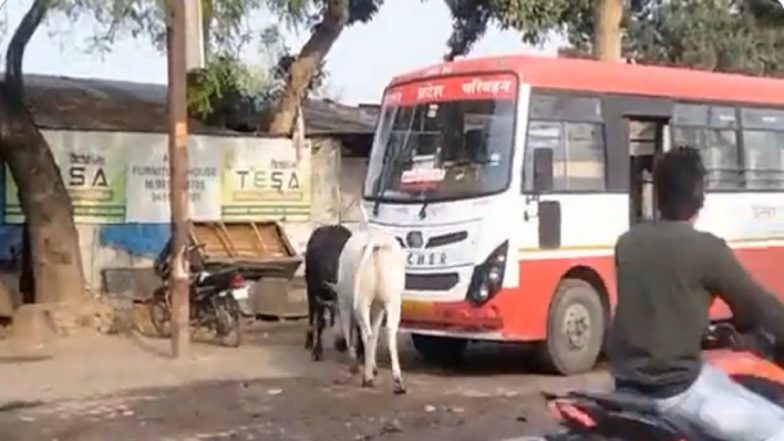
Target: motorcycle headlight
[488, 277]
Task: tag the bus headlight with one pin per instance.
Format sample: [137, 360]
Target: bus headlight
[488, 277]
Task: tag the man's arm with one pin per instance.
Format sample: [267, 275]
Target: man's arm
[750, 303]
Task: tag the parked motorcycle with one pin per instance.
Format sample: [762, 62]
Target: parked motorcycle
[214, 298]
[749, 359]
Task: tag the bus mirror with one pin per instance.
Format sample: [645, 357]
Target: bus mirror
[543, 170]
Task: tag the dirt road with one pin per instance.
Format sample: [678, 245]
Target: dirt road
[240, 397]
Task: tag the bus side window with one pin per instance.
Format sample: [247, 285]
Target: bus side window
[578, 154]
[544, 135]
[712, 130]
[763, 140]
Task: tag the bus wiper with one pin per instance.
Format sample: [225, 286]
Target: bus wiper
[423, 208]
[394, 157]
[464, 162]
[376, 203]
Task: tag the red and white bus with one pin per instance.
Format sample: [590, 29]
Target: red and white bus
[509, 179]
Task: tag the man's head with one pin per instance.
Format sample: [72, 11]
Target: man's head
[679, 178]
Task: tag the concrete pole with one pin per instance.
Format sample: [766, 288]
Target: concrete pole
[178, 177]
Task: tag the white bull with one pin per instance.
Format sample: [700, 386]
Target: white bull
[370, 283]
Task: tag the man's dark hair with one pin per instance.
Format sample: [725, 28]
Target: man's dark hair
[679, 178]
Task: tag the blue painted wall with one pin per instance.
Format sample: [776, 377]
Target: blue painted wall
[136, 239]
[10, 235]
[10, 240]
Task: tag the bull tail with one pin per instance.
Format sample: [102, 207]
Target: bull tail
[363, 218]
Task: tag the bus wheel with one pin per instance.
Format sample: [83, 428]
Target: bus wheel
[442, 351]
[575, 328]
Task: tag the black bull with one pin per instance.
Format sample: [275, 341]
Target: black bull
[322, 254]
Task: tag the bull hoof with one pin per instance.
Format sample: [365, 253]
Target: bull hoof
[354, 369]
[340, 345]
[399, 388]
[316, 356]
[367, 383]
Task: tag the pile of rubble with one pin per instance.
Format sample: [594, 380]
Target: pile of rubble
[42, 322]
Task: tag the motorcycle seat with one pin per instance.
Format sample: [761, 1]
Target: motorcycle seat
[624, 404]
[619, 400]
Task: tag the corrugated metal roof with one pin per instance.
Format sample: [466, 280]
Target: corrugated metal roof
[98, 104]
[327, 117]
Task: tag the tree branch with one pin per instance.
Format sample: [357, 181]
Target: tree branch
[469, 24]
[766, 12]
[14, 81]
[335, 18]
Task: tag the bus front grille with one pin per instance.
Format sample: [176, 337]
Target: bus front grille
[431, 282]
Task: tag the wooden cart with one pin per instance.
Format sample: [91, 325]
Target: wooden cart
[262, 252]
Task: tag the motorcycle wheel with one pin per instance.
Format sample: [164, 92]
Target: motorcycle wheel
[228, 315]
[160, 313]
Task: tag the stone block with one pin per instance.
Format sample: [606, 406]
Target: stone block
[278, 297]
[33, 324]
[6, 302]
[97, 315]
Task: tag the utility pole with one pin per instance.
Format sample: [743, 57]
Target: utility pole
[178, 176]
[194, 35]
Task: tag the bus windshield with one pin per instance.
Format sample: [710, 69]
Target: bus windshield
[445, 139]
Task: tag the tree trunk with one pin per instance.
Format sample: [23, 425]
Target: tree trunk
[607, 30]
[303, 68]
[54, 241]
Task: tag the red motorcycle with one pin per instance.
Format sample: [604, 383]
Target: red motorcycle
[748, 358]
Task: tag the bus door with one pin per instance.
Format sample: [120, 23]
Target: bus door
[637, 131]
[647, 139]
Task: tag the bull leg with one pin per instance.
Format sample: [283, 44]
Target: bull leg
[359, 344]
[374, 340]
[393, 322]
[341, 344]
[311, 317]
[354, 344]
[318, 349]
[331, 311]
[345, 317]
[366, 333]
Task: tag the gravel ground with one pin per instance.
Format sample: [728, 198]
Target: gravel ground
[126, 388]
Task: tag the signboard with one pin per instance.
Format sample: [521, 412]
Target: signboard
[453, 88]
[148, 180]
[92, 165]
[229, 178]
[263, 179]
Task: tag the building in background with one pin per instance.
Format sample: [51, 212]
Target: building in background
[109, 140]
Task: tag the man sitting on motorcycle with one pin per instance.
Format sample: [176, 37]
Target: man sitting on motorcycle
[667, 276]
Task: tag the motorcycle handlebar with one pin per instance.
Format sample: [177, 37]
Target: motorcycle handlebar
[161, 263]
[755, 340]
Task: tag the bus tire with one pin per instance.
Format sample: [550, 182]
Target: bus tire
[441, 351]
[575, 328]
